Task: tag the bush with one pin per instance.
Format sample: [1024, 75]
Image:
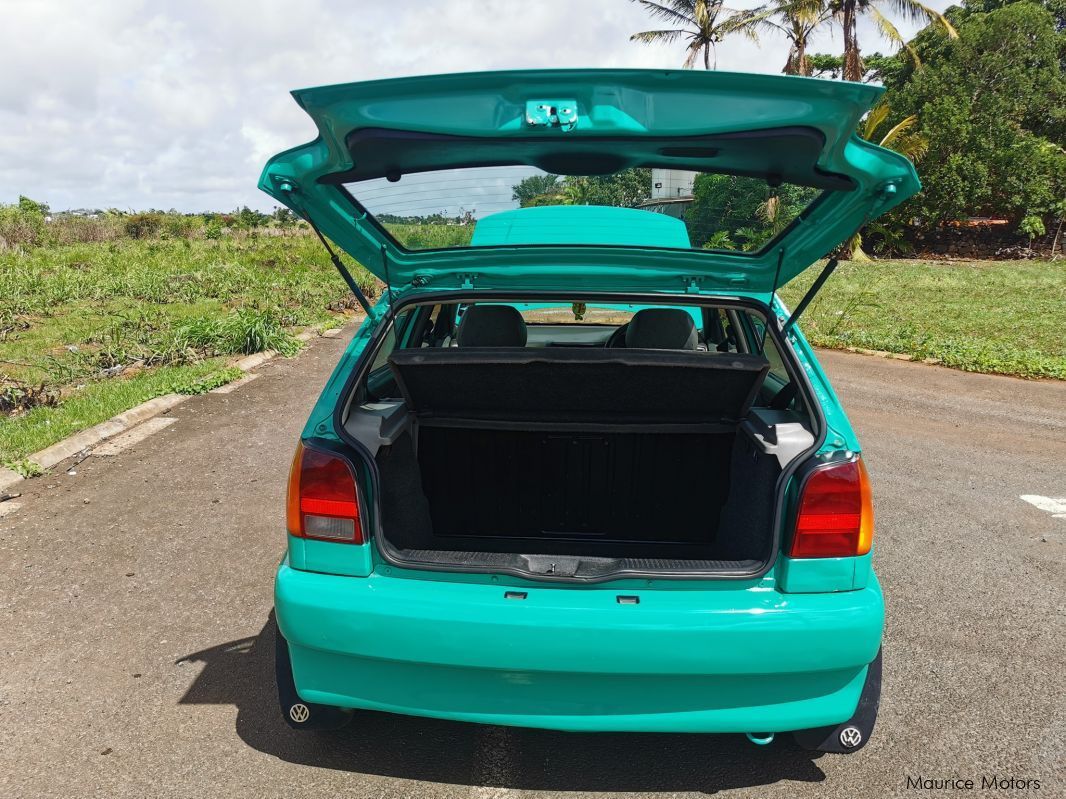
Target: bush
[21, 225]
[243, 332]
[143, 226]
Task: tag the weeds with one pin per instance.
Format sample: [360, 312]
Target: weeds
[204, 384]
[23, 467]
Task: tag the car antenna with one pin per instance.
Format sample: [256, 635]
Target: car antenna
[337, 262]
[773, 291]
[388, 281]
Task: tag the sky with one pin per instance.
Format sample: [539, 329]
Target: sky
[134, 105]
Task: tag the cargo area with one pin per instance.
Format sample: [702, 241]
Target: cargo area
[578, 462]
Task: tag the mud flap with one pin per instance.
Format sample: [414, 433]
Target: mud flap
[853, 734]
[298, 714]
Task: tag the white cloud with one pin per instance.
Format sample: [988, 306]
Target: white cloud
[132, 104]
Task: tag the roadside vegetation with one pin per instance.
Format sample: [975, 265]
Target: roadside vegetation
[999, 317]
[100, 314]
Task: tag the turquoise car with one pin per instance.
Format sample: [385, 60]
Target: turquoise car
[579, 469]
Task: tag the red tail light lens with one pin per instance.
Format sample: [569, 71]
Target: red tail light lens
[836, 517]
[323, 502]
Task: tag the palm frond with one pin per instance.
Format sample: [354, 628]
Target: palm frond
[681, 11]
[935, 16]
[693, 53]
[897, 131]
[884, 24]
[651, 37]
[878, 114]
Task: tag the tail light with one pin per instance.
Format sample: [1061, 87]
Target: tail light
[323, 502]
[835, 517]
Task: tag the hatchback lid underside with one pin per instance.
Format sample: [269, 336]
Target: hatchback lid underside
[780, 130]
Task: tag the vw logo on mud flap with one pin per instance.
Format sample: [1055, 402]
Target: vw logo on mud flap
[299, 713]
[850, 737]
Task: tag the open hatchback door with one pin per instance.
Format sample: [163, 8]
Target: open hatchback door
[392, 155]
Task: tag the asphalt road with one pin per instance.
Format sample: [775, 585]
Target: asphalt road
[135, 598]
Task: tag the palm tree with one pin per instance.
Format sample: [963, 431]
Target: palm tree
[901, 137]
[701, 23]
[848, 11]
[797, 20]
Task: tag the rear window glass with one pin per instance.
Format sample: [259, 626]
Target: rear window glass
[447, 208]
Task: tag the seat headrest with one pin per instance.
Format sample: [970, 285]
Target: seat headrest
[492, 326]
[661, 329]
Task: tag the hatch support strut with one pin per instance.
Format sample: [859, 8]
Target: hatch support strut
[337, 262]
[815, 287]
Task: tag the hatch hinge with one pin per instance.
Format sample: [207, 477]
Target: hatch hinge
[560, 114]
[466, 281]
[692, 284]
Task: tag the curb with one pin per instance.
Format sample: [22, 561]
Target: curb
[79, 442]
[895, 356]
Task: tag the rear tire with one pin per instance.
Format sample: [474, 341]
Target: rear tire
[853, 734]
[298, 714]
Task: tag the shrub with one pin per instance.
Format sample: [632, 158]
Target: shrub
[21, 225]
[143, 226]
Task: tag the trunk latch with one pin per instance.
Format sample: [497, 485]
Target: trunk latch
[560, 114]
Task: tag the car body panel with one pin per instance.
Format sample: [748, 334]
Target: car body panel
[580, 224]
[681, 660]
[619, 110]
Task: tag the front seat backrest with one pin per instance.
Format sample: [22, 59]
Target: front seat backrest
[661, 329]
[492, 326]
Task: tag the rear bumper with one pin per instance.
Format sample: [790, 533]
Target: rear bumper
[726, 659]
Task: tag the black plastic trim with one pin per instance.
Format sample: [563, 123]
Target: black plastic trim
[832, 738]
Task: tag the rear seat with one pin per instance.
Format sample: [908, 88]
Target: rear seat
[628, 386]
[492, 326]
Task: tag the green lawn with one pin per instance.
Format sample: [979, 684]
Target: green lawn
[1003, 317]
[95, 329]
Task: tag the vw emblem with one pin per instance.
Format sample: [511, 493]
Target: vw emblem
[849, 736]
[301, 713]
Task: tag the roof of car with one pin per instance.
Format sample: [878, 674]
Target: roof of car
[580, 224]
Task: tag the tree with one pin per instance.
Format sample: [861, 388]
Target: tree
[877, 68]
[992, 106]
[902, 137]
[849, 11]
[701, 23]
[28, 206]
[732, 208]
[797, 20]
[627, 188]
[527, 188]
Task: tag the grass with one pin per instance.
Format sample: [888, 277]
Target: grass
[999, 317]
[98, 401]
[89, 330]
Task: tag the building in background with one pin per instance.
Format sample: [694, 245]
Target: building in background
[671, 191]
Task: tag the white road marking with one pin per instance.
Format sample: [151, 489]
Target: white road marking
[9, 507]
[226, 389]
[123, 441]
[1056, 506]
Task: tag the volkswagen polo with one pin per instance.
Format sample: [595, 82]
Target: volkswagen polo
[579, 469]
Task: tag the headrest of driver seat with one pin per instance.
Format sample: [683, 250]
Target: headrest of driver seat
[491, 326]
[661, 329]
